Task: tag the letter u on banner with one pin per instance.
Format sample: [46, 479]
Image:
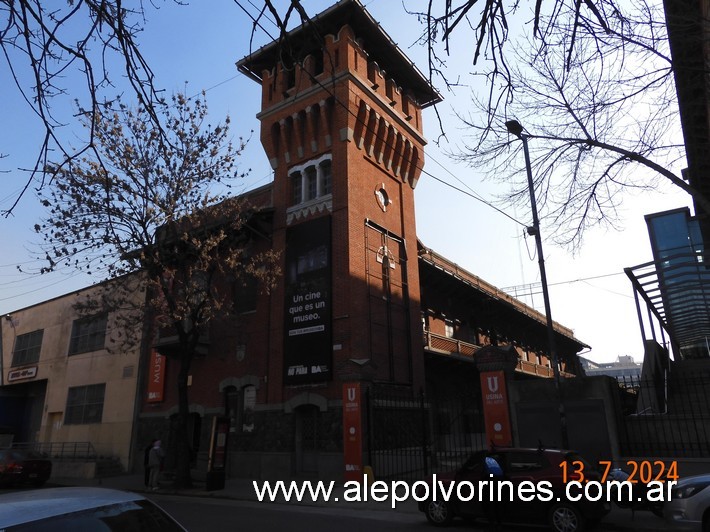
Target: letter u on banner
[495, 408]
[352, 431]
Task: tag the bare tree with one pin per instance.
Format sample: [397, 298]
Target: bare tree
[49, 45]
[593, 83]
[603, 120]
[149, 211]
[487, 26]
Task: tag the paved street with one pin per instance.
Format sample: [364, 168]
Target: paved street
[199, 514]
[207, 515]
[236, 508]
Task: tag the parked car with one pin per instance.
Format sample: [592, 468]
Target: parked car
[24, 466]
[639, 499]
[518, 465]
[68, 509]
[689, 507]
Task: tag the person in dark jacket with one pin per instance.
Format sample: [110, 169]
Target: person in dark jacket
[155, 461]
[146, 468]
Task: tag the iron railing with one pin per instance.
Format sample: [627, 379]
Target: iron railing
[451, 346]
[75, 450]
[665, 417]
[413, 435]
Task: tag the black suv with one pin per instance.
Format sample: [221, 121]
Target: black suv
[532, 488]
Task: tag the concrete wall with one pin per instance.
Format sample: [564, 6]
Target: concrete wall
[73, 470]
[590, 407]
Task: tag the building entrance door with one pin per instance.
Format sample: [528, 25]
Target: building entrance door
[306, 444]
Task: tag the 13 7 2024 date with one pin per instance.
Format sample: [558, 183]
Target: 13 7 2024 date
[643, 471]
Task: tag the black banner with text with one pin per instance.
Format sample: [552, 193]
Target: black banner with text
[308, 345]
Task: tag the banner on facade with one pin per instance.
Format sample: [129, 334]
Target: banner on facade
[352, 431]
[156, 377]
[495, 409]
[308, 348]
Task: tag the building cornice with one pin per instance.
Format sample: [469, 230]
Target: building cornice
[288, 104]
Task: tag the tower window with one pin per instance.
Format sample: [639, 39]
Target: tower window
[296, 188]
[326, 176]
[311, 181]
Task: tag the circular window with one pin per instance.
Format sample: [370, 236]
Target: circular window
[383, 199]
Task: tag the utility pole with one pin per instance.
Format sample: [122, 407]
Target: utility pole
[514, 127]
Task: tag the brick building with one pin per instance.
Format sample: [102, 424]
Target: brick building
[361, 299]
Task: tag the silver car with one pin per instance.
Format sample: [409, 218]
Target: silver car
[689, 507]
[69, 509]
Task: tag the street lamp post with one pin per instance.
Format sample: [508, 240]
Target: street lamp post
[514, 127]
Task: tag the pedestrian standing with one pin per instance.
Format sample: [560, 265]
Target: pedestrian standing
[155, 462]
[146, 467]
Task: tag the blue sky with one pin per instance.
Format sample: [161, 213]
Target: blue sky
[200, 44]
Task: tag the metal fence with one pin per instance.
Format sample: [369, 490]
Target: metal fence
[76, 450]
[411, 435]
[666, 417]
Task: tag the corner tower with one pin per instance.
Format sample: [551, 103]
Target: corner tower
[341, 124]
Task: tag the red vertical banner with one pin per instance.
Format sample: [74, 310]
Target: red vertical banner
[495, 408]
[352, 431]
[156, 377]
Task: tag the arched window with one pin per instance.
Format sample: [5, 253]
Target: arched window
[296, 188]
[311, 181]
[326, 177]
[239, 408]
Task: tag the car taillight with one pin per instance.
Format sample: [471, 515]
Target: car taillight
[13, 467]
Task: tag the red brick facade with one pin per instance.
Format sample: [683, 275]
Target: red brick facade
[341, 124]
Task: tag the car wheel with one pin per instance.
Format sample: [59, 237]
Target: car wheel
[564, 517]
[38, 483]
[706, 521]
[439, 513]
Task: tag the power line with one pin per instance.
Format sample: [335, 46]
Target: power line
[256, 22]
[213, 86]
[572, 281]
[384, 141]
[38, 289]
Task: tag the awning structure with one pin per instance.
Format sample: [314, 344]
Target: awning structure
[676, 291]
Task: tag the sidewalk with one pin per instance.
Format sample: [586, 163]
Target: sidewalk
[243, 490]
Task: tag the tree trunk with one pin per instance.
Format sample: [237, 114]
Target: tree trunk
[183, 478]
